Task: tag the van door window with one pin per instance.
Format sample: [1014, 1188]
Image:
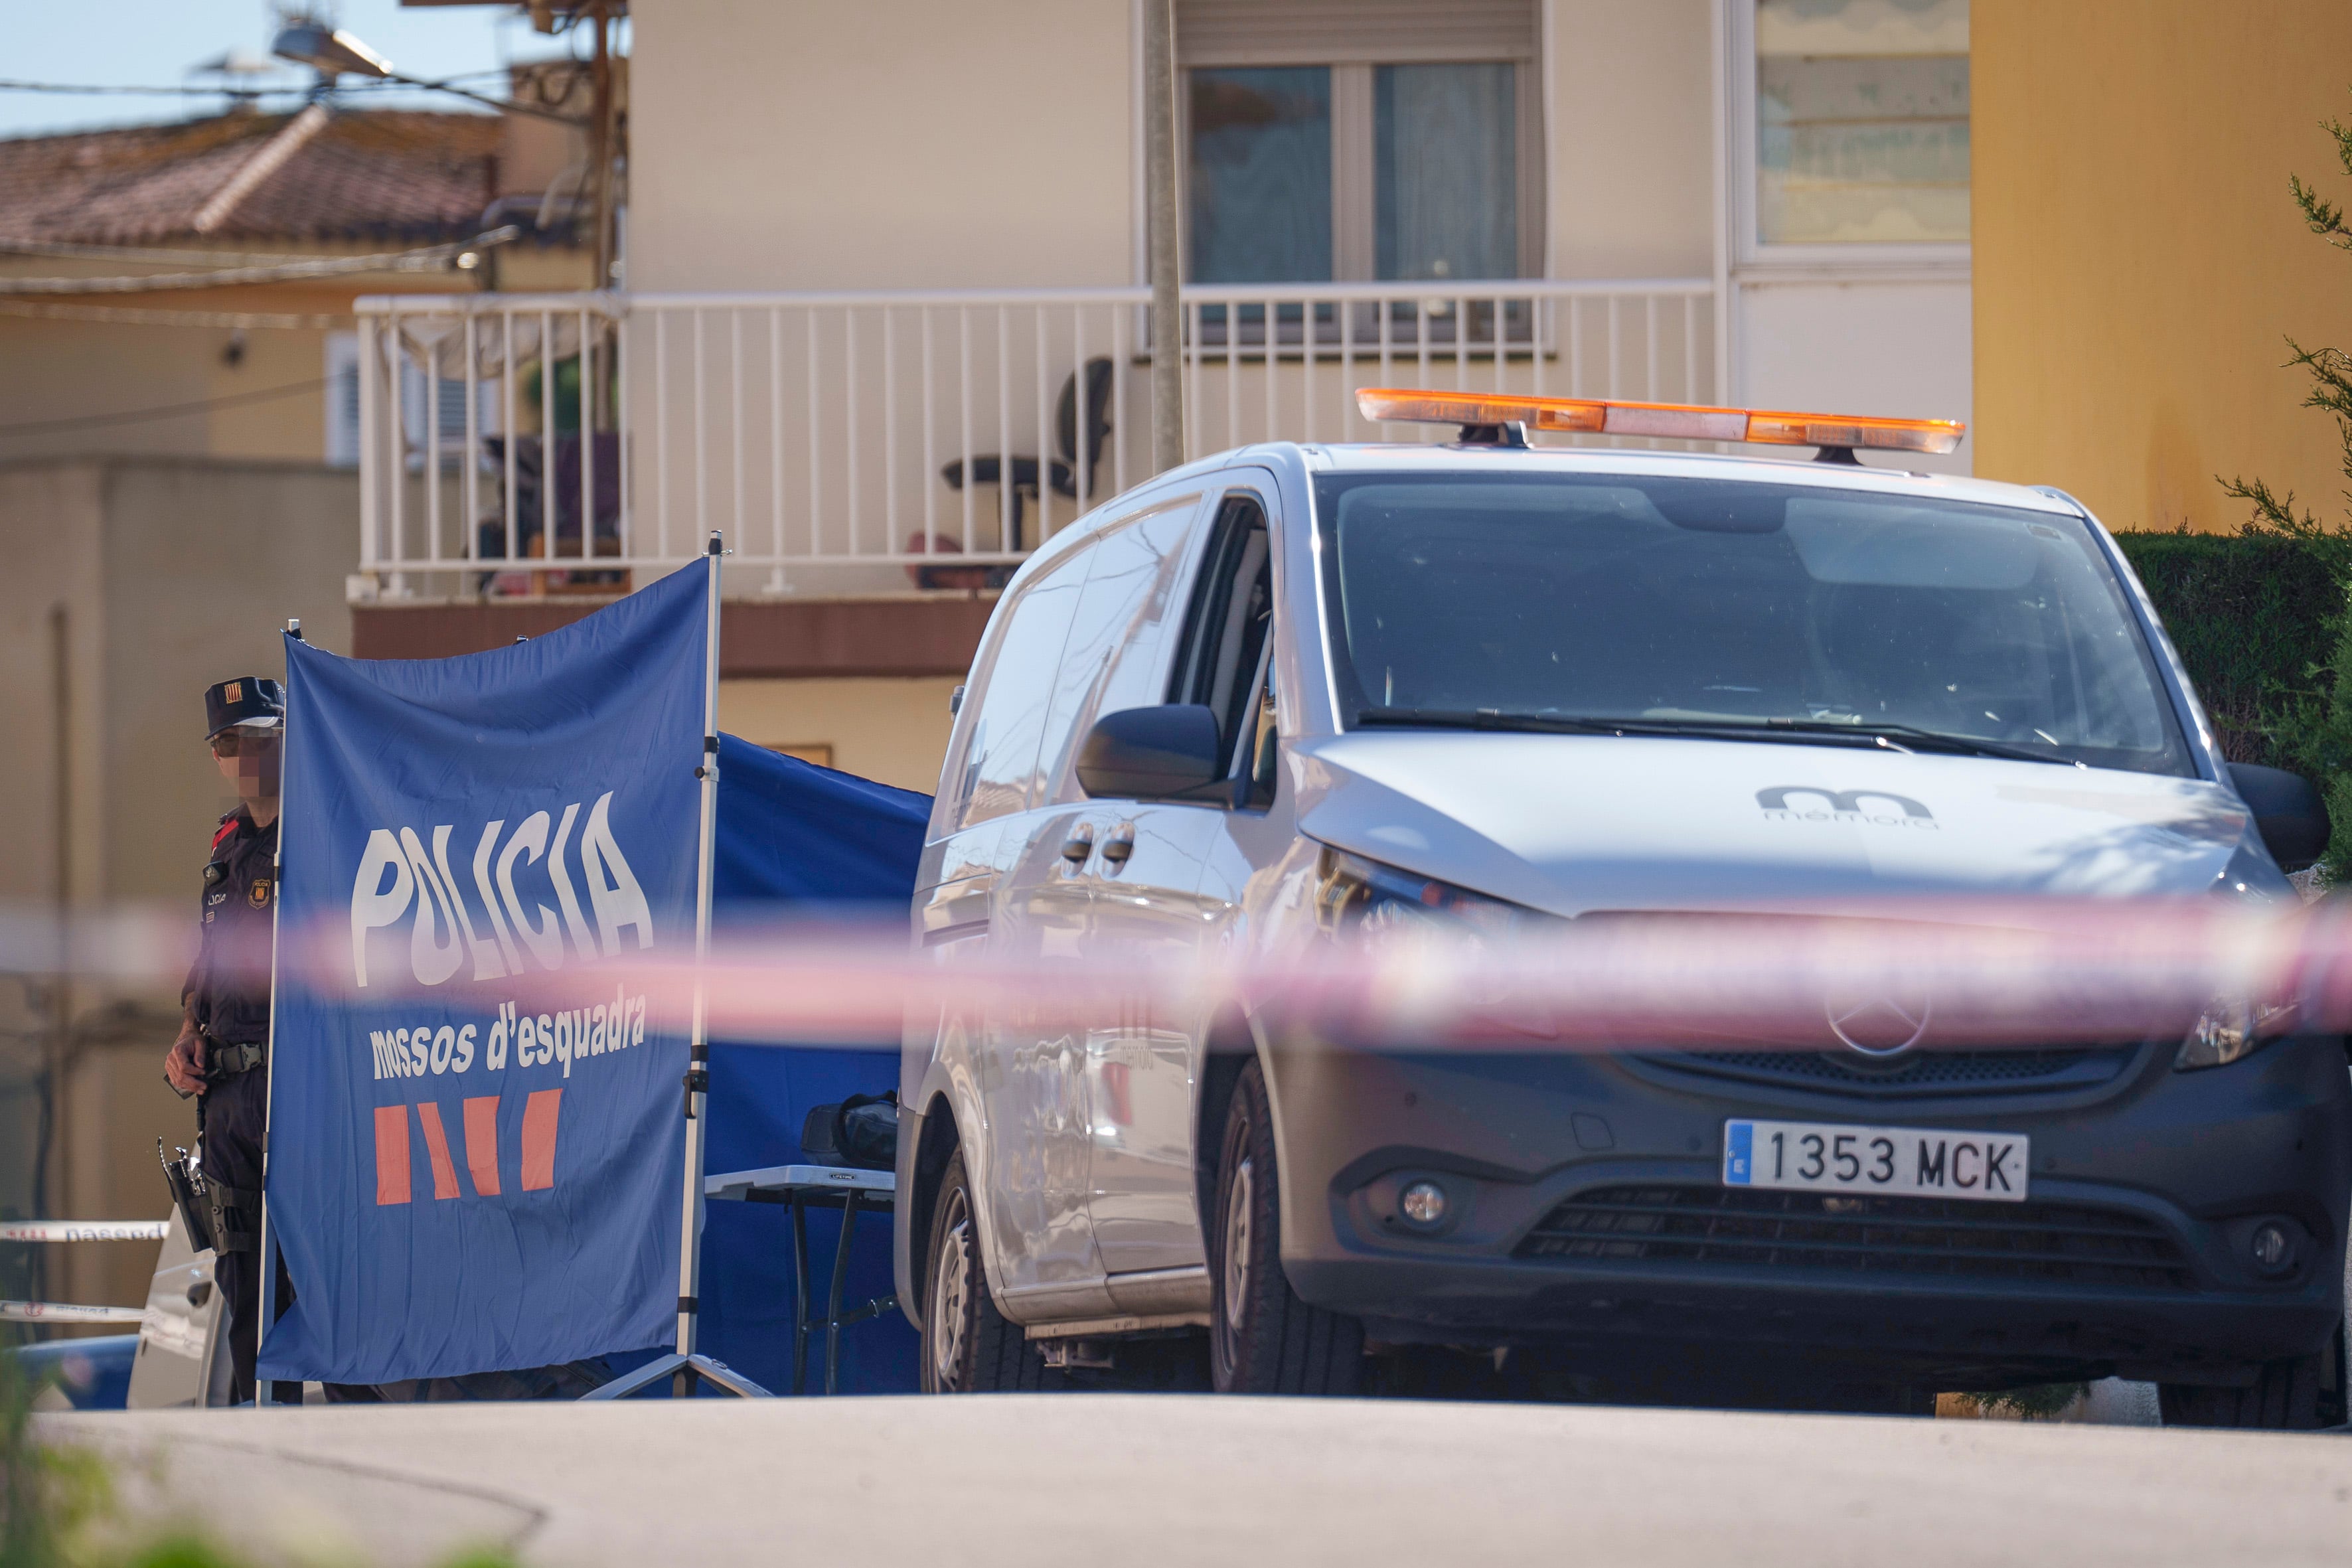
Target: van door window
[1015, 693]
[1226, 639]
[1116, 654]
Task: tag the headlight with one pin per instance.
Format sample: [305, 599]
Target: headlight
[1444, 959]
[2230, 1030]
[1353, 895]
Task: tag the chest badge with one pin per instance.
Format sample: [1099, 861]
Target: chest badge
[258, 894]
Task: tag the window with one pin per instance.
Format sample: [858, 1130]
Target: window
[1359, 139]
[1729, 609]
[343, 407]
[1227, 636]
[999, 768]
[1116, 655]
[1861, 122]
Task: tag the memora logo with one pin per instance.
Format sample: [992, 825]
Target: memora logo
[1810, 802]
[505, 925]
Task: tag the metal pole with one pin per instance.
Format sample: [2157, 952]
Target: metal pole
[698, 1077]
[600, 152]
[265, 1260]
[1159, 184]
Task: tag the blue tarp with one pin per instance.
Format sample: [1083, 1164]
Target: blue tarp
[457, 1185]
[795, 841]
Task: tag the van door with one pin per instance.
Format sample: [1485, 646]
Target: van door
[1144, 1068]
[1028, 1140]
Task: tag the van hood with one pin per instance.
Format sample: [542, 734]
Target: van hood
[1571, 823]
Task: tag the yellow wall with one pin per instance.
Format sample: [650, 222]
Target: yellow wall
[169, 574]
[81, 371]
[2138, 261]
[892, 731]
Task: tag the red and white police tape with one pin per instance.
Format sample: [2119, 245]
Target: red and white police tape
[38, 1230]
[68, 1312]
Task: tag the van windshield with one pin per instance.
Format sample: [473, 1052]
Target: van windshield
[1718, 605]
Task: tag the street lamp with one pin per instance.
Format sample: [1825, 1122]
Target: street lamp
[333, 53]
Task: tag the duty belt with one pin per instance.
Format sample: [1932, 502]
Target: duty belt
[225, 1060]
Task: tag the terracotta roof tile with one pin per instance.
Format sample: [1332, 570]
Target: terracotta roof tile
[381, 174]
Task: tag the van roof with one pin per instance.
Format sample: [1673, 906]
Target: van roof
[1421, 458]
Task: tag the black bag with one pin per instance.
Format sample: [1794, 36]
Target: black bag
[861, 1131]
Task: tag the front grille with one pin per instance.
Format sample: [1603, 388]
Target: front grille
[2064, 1242]
[1926, 1074]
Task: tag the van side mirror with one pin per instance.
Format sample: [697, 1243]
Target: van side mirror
[1169, 753]
[2288, 813]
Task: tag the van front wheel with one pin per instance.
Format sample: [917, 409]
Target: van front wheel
[968, 1345]
[1262, 1339]
[2300, 1394]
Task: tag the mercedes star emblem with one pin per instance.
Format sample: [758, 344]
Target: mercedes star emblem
[1878, 1026]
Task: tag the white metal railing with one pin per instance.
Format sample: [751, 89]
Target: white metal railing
[853, 442]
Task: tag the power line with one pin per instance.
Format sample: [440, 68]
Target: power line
[119, 316]
[419, 260]
[8, 85]
[11, 85]
[136, 415]
[140, 253]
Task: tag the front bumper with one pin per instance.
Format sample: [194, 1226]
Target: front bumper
[2178, 1166]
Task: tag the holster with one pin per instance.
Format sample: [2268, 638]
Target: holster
[189, 1197]
[235, 1216]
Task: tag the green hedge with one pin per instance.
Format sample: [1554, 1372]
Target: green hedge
[2262, 619]
[2257, 616]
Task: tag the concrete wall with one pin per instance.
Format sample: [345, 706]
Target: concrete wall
[2139, 262]
[899, 143]
[1631, 144]
[172, 574]
[931, 143]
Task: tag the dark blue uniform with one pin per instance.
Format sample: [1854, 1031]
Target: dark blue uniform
[227, 997]
[228, 1000]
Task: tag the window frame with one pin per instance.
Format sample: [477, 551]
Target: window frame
[1749, 250]
[1355, 234]
[1208, 597]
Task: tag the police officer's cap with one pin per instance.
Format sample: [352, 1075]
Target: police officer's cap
[250, 700]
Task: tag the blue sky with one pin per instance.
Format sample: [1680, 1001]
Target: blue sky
[154, 43]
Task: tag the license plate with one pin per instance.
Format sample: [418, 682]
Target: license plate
[1911, 1162]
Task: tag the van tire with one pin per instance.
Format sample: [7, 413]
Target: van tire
[1262, 1339]
[968, 1347]
[2299, 1393]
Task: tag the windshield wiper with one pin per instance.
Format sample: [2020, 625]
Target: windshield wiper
[1911, 737]
[1484, 718]
[1896, 737]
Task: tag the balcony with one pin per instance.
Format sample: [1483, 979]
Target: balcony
[851, 447]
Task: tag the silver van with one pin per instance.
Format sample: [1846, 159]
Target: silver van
[1290, 692]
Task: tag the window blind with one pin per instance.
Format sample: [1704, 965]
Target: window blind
[1335, 32]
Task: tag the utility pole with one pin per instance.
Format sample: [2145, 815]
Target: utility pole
[1160, 186]
[600, 148]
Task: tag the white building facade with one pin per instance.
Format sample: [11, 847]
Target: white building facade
[881, 260]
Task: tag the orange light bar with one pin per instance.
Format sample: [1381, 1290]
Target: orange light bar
[1673, 421]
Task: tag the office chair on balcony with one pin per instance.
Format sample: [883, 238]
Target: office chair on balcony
[1062, 472]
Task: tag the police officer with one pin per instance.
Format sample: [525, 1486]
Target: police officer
[221, 1052]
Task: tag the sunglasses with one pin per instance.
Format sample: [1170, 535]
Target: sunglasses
[248, 743]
